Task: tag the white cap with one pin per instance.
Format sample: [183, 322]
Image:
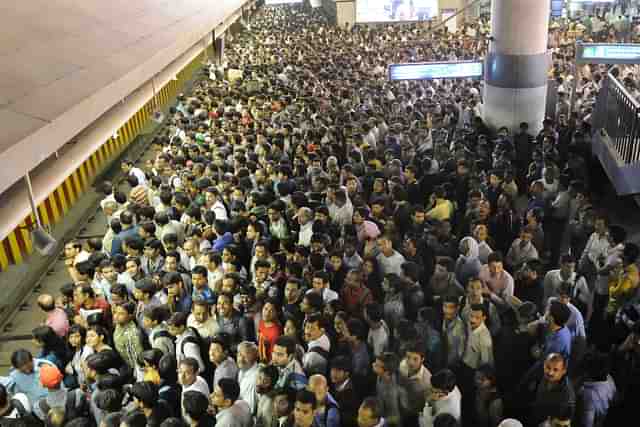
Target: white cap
[510, 422]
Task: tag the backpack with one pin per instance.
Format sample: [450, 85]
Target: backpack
[76, 406]
[160, 334]
[195, 338]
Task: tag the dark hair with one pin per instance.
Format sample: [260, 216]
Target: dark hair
[230, 388]
[287, 342]
[444, 379]
[20, 357]
[560, 313]
[3, 396]
[114, 418]
[480, 307]
[151, 357]
[445, 420]
[373, 405]
[495, 257]
[342, 363]
[109, 400]
[307, 398]
[86, 422]
[272, 372]
[134, 418]
[173, 422]
[192, 363]
[195, 404]
[357, 328]
[390, 362]
[146, 392]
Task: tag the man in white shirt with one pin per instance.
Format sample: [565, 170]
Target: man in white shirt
[128, 168]
[248, 368]
[390, 260]
[445, 398]
[305, 219]
[190, 381]
[315, 360]
[320, 285]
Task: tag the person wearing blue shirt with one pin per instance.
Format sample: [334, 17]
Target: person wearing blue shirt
[559, 338]
[178, 297]
[25, 375]
[201, 289]
[327, 412]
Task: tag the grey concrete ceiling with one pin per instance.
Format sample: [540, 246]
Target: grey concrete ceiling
[58, 54]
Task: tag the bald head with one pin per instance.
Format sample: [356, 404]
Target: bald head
[318, 385]
[46, 302]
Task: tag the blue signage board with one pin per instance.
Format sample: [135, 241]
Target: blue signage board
[608, 53]
[556, 8]
[436, 70]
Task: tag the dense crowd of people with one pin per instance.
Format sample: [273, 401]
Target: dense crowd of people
[313, 245]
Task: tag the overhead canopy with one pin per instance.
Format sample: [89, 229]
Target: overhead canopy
[64, 63]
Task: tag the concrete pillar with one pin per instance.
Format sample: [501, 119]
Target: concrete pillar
[517, 64]
[219, 49]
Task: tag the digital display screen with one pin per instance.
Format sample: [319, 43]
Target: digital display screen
[395, 10]
[436, 70]
[271, 2]
[609, 53]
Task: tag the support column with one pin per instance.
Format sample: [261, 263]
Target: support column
[517, 64]
[219, 49]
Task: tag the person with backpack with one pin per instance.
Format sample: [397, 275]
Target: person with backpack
[188, 341]
[25, 375]
[74, 402]
[154, 318]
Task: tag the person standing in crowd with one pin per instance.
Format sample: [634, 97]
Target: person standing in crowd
[310, 242]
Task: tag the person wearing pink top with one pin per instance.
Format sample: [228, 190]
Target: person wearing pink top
[56, 317]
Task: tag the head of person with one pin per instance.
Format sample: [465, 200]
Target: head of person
[314, 327]
[267, 379]
[283, 402]
[124, 313]
[558, 314]
[304, 408]
[369, 412]
[225, 393]
[495, 262]
[177, 323]
[341, 369]
[450, 306]
[477, 316]
[442, 383]
[247, 355]
[567, 266]
[485, 377]
[46, 303]
[220, 348]
[555, 368]
[283, 352]
[188, 371]
[22, 360]
[145, 395]
[386, 365]
[195, 404]
[414, 357]
[135, 418]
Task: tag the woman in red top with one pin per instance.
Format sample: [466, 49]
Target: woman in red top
[269, 330]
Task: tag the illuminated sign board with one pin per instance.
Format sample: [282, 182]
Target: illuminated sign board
[608, 53]
[436, 70]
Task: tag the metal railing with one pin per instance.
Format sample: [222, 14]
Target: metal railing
[619, 115]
